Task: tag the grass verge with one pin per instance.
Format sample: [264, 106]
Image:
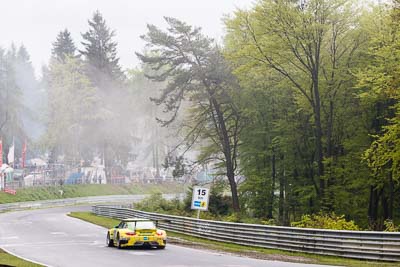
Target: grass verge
[10, 260]
[254, 252]
[86, 190]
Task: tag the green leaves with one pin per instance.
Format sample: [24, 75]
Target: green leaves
[72, 106]
[380, 85]
[326, 221]
[306, 124]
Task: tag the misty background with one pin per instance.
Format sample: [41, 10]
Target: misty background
[35, 23]
[29, 30]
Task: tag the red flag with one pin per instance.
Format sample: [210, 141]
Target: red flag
[23, 154]
[1, 152]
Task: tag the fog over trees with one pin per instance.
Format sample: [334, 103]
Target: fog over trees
[297, 109]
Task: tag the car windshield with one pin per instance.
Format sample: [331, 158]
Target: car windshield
[142, 225]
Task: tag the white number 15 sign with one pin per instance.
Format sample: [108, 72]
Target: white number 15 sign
[200, 198]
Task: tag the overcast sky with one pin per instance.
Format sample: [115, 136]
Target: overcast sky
[36, 23]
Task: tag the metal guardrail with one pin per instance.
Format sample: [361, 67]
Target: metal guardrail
[77, 201]
[368, 245]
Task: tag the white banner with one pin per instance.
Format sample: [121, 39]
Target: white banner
[10, 156]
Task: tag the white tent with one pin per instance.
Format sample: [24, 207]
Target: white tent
[28, 180]
[4, 169]
[34, 178]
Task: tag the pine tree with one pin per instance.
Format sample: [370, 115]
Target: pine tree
[100, 53]
[63, 46]
[195, 69]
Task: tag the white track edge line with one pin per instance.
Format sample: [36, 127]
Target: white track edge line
[26, 259]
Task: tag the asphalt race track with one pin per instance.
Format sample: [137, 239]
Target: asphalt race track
[51, 238]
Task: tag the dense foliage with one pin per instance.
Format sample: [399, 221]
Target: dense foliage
[325, 221]
[318, 86]
[317, 106]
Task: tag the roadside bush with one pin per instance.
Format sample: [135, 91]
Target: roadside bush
[234, 217]
[187, 202]
[156, 203]
[390, 226]
[269, 222]
[325, 221]
[241, 217]
[220, 204]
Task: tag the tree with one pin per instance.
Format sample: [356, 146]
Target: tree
[10, 96]
[379, 85]
[112, 137]
[63, 46]
[100, 53]
[312, 47]
[71, 111]
[194, 69]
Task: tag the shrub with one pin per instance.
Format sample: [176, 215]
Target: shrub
[390, 226]
[234, 217]
[268, 222]
[156, 203]
[325, 221]
[219, 204]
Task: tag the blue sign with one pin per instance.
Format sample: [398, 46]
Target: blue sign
[197, 203]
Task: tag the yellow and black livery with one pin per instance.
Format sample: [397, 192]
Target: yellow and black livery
[133, 232]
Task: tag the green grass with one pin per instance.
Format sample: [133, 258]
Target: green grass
[92, 218]
[233, 248]
[10, 260]
[70, 191]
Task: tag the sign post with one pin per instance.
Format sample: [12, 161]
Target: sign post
[200, 199]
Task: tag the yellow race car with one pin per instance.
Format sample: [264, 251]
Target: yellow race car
[136, 232]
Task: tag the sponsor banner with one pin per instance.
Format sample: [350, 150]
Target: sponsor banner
[10, 191]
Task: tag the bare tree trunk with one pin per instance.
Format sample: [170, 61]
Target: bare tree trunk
[318, 141]
[391, 196]
[330, 154]
[286, 205]
[227, 151]
[373, 208]
[233, 186]
[282, 201]
[272, 192]
[387, 199]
